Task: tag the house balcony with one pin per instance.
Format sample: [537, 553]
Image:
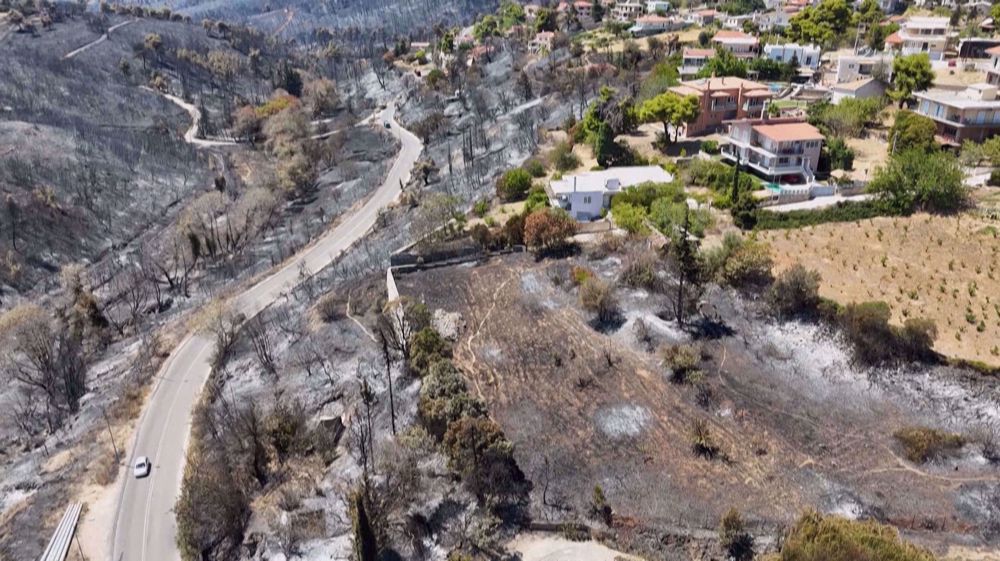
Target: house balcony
[952, 119]
[753, 145]
[767, 166]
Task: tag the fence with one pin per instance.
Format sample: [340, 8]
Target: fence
[59, 544]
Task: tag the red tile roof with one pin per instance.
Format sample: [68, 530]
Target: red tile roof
[786, 132]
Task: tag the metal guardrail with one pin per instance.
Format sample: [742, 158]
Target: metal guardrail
[59, 544]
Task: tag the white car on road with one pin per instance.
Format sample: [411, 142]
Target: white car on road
[142, 467]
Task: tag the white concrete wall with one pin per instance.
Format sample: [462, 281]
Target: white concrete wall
[585, 205]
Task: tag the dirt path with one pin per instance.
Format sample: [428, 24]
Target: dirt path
[540, 547]
[97, 41]
[191, 135]
[283, 26]
[479, 328]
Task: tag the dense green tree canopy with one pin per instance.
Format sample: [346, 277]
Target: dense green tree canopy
[911, 73]
[917, 180]
[822, 24]
[724, 63]
[911, 131]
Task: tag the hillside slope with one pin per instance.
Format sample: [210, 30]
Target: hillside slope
[298, 18]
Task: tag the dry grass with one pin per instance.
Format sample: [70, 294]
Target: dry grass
[869, 153]
[946, 269]
[104, 469]
[956, 76]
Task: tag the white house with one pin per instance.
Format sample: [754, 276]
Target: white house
[921, 35]
[851, 68]
[773, 20]
[806, 55]
[627, 10]
[864, 88]
[586, 195]
[740, 44]
[651, 24]
[737, 21]
[658, 6]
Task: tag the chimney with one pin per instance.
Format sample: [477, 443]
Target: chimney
[574, 184]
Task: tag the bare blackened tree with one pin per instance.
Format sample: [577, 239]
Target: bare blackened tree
[46, 355]
[362, 429]
[257, 331]
[388, 359]
[400, 321]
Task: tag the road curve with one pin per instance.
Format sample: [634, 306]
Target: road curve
[191, 134]
[144, 527]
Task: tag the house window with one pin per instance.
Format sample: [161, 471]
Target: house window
[586, 200]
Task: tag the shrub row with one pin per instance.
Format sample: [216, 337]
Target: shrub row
[840, 212]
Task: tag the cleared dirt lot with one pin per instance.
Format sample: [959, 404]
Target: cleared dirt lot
[798, 426]
[943, 268]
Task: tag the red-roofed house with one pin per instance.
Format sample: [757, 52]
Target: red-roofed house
[723, 99]
[693, 60]
[542, 41]
[737, 42]
[702, 17]
[893, 41]
[781, 150]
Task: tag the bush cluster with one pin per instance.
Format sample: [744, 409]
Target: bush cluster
[840, 212]
[738, 262]
[876, 342]
[683, 362]
[476, 447]
[923, 444]
[795, 293]
[831, 538]
[598, 297]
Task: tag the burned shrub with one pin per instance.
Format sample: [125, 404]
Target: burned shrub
[795, 293]
[480, 453]
[640, 271]
[683, 362]
[702, 442]
[330, 308]
[598, 297]
[875, 341]
[735, 540]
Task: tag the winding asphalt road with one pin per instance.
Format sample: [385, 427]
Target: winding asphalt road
[144, 527]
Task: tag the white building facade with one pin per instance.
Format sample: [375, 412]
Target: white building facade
[586, 196]
[924, 35]
[806, 55]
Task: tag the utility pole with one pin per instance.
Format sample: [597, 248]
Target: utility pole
[111, 434]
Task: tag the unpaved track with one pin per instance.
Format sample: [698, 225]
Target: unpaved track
[144, 527]
[97, 41]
